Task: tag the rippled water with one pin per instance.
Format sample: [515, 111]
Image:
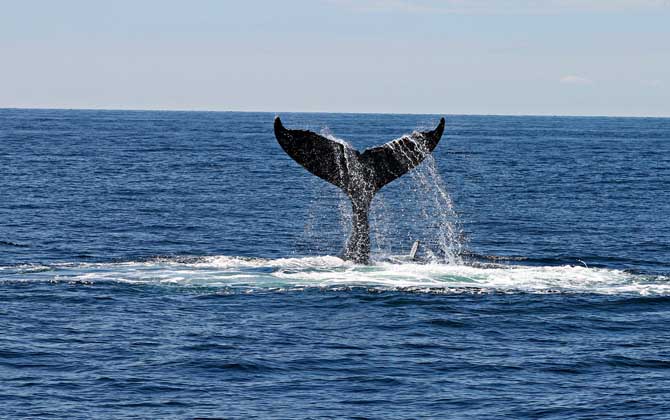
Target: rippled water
[179, 265]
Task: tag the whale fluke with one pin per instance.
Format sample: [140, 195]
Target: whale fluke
[360, 175]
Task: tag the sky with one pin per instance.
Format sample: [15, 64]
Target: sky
[512, 57]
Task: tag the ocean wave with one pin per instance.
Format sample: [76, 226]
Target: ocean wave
[13, 244]
[334, 273]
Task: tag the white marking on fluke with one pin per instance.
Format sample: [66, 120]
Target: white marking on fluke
[415, 248]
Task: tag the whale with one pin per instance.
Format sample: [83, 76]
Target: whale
[359, 175]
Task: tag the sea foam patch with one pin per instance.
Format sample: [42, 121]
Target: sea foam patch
[328, 272]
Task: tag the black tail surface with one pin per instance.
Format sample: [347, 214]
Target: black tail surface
[352, 171]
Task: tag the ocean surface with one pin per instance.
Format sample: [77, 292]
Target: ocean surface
[179, 265]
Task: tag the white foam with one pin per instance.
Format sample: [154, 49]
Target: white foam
[329, 271]
[330, 136]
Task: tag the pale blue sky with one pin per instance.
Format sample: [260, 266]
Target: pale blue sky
[565, 57]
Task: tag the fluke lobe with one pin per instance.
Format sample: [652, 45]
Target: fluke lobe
[360, 175]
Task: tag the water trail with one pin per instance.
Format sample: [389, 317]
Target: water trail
[326, 226]
[345, 168]
[320, 235]
[437, 208]
[431, 209]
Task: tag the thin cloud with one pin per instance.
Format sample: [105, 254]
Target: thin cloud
[652, 83]
[500, 7]
[572, 79]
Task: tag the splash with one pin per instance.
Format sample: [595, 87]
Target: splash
[421, 210]
[428, 205]
[259, 274]
[442, 236]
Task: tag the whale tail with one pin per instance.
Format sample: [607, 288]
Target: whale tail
[359, 175]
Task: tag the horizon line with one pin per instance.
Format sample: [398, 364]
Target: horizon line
[111, 109]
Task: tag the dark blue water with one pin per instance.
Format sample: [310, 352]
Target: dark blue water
[180, 265]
